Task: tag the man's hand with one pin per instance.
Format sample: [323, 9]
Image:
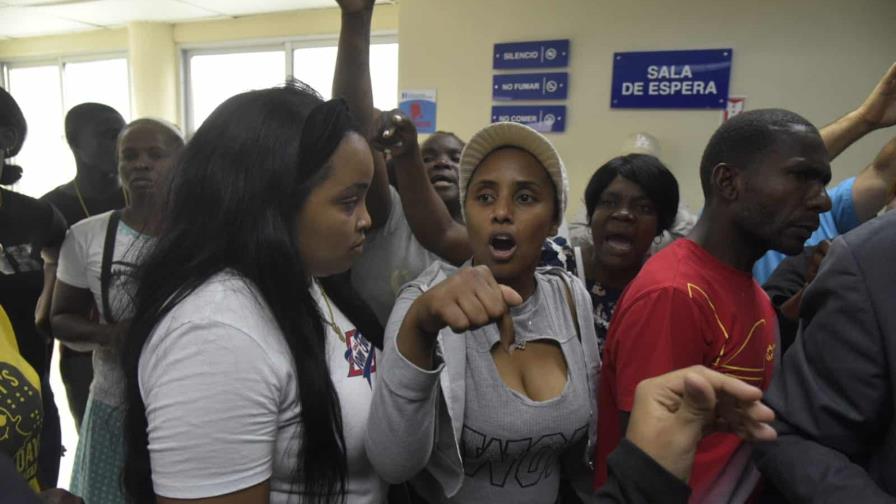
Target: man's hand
[818, 255]
[673, 412]
[879, 109]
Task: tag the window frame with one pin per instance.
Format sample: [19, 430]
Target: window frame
[286, 44]
[59, 62]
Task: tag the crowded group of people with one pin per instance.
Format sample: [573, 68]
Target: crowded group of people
[302, 303]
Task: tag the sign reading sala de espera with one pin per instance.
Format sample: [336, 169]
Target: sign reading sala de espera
[671, 79]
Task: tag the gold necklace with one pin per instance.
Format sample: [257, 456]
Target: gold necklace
[124, 193]
[81, 199]
[332, 322]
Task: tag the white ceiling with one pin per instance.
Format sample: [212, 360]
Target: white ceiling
[29, 18]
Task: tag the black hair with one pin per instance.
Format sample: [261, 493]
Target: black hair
[443, 133]
[11, 117]
[651, 175]
[82, 114]
[234, 197]
[171, 133]
[746, 139]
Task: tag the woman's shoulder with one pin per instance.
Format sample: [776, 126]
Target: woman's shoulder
[559, 278]
[431, 276]
[92, 225]
[226, 300]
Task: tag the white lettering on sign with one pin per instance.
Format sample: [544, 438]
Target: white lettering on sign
[518, 118]
[527, 86]
[632, 88]
[669, 72]
[519, 55]
[672, 88]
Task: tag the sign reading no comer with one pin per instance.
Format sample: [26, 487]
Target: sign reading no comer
[543, 118]
[671, 79]
[534, 86]
[540, 54]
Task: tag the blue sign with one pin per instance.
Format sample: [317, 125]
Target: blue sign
[420, 106]
[543, 118]
[536, 86]
[671, 79]
[541, 54]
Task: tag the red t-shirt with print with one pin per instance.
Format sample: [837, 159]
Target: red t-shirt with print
[685, 307]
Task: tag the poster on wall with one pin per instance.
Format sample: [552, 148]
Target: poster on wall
[735, 105]
[535, 54]
[542, 118]
[530, 86]
[696, 79]
[420, 106]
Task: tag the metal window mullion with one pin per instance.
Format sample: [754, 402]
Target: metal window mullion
[287, 49]
[189, 127]
[60, 65]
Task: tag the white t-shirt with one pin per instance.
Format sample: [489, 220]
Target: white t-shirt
[80, 264]
[221, 396]
[392, 257]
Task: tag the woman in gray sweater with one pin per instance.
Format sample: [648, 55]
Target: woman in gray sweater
[495, 402]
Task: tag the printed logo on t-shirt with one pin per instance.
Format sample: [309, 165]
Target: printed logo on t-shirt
[122, 287]
[738, 356]
[523, 462]
[360, 355]
[20, 419]
[18, 259]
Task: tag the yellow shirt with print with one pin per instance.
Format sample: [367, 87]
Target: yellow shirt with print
[20, 405]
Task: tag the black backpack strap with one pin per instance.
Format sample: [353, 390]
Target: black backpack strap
[106, 268]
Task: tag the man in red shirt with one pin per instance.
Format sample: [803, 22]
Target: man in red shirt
[763, 175]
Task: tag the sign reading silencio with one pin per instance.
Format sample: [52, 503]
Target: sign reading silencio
[542, 118]
[530, 86]
[538, 54]
[671, 79]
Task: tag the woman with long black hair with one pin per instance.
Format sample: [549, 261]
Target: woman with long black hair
[249, 375]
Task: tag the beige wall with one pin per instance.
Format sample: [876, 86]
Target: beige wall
[153, 71]
[817, 57]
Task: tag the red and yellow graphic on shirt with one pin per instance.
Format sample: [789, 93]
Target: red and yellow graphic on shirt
[749, 357]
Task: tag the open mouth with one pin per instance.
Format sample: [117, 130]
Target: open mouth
[442, 181]
[141, 181]
[502, 246]
[619, 243]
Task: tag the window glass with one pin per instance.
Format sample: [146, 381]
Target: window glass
[216, 77]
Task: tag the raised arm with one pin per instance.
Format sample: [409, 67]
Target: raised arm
[873, 188]
[878, 111]
[351, 81]
[425, 211]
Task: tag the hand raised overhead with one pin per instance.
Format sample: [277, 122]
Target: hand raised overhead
[879, 109]
[396, 133]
